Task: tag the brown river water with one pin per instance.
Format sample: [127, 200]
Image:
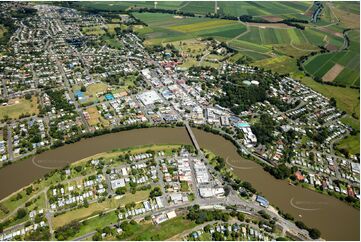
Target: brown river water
[335, 219]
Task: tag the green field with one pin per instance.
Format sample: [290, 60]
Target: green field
[96, 208]
[281, 64]
[96, 223]
[351, 144]
[163, 231]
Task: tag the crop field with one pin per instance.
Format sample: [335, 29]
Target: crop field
[319, 65]
[164, 28]
[124, 5]
[268, 36]
[206, 25]
[247, 8]
[348, 14]
[166, 20]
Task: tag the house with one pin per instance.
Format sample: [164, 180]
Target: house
[299, 176]
[262, 201]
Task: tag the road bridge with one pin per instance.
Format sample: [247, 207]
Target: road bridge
[192, 136]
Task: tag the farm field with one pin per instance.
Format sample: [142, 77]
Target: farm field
[255, 42]
[247, 8]
[19, 106]
[348, 60]
[164, 28]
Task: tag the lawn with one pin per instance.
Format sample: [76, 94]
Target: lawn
[18, 106]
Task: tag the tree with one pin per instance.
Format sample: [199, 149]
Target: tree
[263, 129]
[83, 88]
[333, 102]
[240, 217]
[120, 190]
[314, 233]
[218, 236]
[156, 192]
[29, 190]
[301, 225]
[97, 236]
[28, 96]
[21, 213]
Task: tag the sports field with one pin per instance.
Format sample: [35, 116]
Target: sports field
[19, 106]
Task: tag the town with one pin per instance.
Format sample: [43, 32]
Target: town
[66, 74]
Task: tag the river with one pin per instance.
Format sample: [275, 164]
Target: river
[335, 219]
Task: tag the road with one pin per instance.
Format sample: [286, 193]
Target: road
[68, 87]
[10, 142]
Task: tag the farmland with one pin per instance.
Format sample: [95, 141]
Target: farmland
[247, 8]
[319, 65]
[163, 28]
